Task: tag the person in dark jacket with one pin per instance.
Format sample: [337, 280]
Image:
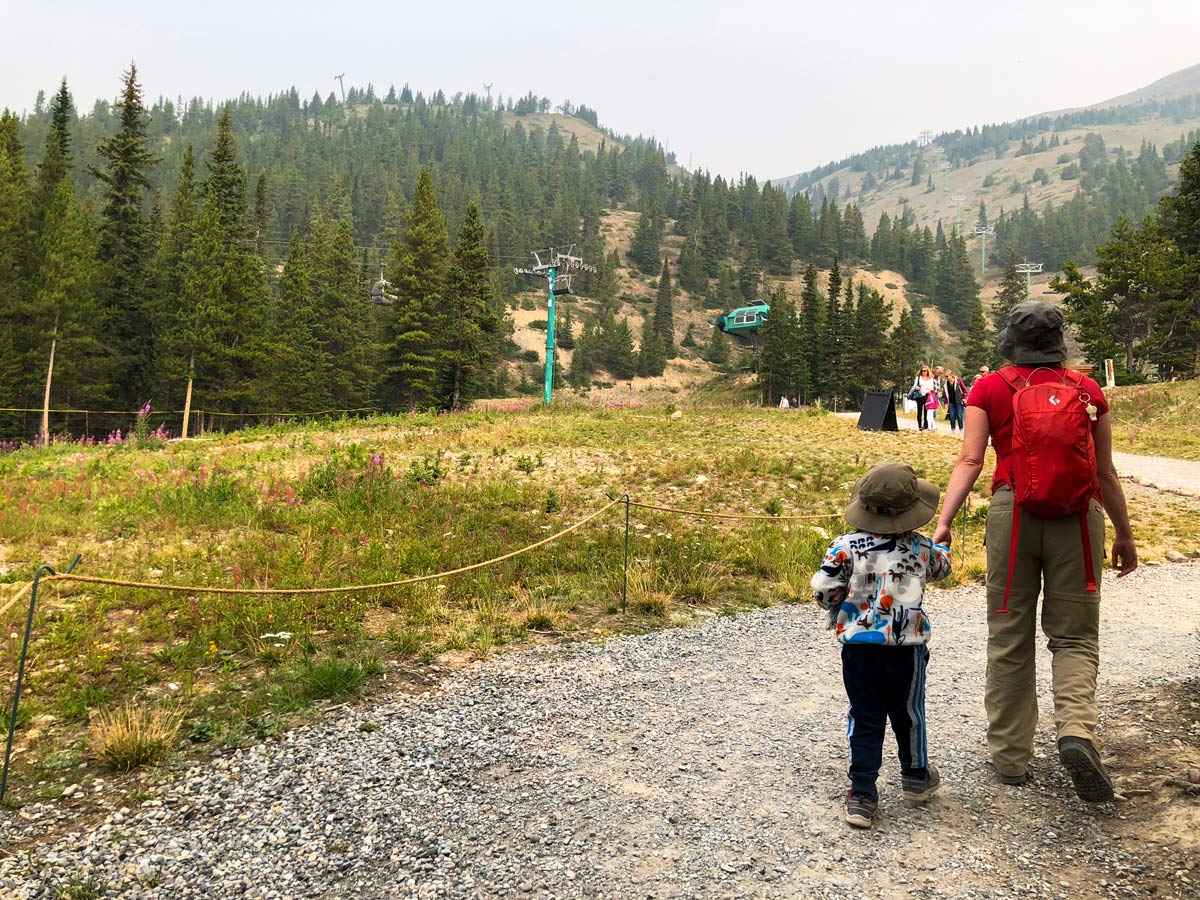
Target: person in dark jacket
[955, 398]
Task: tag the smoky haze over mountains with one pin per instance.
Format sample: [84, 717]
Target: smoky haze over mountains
[747, 87]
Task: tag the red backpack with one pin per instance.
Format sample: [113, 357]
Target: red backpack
[1052, 465]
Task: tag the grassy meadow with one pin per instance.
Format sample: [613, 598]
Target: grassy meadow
[357, 502]
[1157, 419]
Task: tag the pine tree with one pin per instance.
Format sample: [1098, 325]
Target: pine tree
[664, 314]
[420, 280]
[126, 244]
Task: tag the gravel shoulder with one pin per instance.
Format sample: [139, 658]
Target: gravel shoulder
[697, 762]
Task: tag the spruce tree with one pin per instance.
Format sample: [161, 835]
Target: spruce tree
[810, 329]
[299, 370]
[1012, 292]
[473, 320]
[56, 157]
[782, 368]
[652, 355]
[346, 332]
[905, 350]
[692, 276]
[64, 308]
[126, 245]
[420, 280]
[664, 314]
[16, 252]
[643, 251]
[717, 351]
[979, 343]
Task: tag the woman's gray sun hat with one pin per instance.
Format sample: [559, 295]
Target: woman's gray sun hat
[891, 499]
[1034, 335]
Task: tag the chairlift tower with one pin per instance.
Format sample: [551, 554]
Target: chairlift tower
[983, 231]
[1029, 269]
[487, 86]
[958, 201]
[557, 271]
[925, 138]
[341, 85]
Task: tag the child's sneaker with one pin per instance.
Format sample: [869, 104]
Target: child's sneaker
[860, 810]
[918, 789]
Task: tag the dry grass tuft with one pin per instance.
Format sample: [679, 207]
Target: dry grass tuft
[132, 736]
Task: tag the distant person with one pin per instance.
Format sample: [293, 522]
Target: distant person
[955, 398]
[923, 385]
[1053, 455]
[783, 403]
[983, 373]
[872, 583]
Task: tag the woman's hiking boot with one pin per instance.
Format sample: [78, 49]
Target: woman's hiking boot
[860, 810]
[1082, 762]
[917, 790]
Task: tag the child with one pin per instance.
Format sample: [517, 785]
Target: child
[872, 583]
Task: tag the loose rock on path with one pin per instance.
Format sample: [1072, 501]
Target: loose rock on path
[698, 762]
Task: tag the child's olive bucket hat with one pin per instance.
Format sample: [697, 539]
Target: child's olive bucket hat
[891, 499]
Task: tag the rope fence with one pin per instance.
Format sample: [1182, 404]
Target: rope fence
[45, 574]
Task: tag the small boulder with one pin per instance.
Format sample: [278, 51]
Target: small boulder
[1176, 557]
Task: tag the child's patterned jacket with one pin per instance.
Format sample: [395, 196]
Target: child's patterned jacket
[873, 586]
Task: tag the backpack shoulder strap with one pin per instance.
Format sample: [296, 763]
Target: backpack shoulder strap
[1011, 377]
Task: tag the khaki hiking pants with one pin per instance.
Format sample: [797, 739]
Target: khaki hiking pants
[1049, 560]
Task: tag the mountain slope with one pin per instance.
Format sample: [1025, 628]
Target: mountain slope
[1183, 83]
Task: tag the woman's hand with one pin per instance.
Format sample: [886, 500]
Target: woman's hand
[1124, 556]
[944, 537]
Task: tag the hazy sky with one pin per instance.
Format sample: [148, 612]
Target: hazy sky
[766, 88]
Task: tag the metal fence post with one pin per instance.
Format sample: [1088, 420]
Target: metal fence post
[625, 573]
[12, 722]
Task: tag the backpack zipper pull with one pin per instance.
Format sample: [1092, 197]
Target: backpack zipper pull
[1090, 409]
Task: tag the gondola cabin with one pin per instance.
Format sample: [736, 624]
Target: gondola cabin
[744, 319]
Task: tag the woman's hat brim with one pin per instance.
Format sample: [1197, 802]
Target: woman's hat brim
[1025, 355]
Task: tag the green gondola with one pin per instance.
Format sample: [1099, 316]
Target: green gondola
[744, 319]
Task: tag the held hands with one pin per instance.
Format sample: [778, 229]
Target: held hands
[943, 536]
[1124, 556]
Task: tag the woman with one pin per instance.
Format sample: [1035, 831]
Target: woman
[953, 390]
[1049, 551]
[924, 385]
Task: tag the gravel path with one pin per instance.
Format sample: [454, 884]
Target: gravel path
[698, 762]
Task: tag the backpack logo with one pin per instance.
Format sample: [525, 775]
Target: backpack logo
[1054, 401]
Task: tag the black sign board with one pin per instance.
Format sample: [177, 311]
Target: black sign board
[878, 412]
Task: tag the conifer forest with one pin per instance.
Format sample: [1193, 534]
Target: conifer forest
[308, 256]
